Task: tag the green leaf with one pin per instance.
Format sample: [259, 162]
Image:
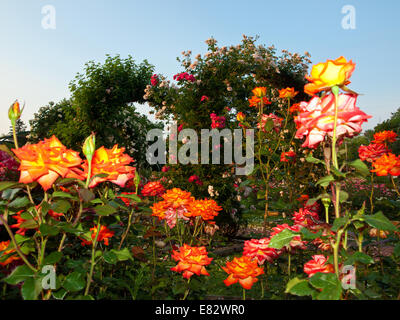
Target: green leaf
[330, 285]
[74, 282]
[338, 223]
[281, 239]
[325, 181]
[338, 173]
[122, 255]
[19, 274]
[396, 251]
[269, 124]
[31, 288]
[53, 258]
[61, 194]
[359, 257]
[380, 222]
[8, 184]
[110, 257]
[69, 228]
[48, 230]
[343, 196]
[61, 206]
[9, 194]
[86, 195]
[19, 202]
[311, 159]
[299, 287]
[134, 197]
[29, 224]
[360, 167]
[260, 194]
[60, 294]
[105, 210]
[308, 235]
[21, 239]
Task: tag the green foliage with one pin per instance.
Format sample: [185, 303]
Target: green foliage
[225, 76]
[102, 101]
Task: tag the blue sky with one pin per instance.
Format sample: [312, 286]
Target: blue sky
[37, 64]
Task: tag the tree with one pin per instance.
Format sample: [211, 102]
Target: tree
[220, 83]
[101, 102]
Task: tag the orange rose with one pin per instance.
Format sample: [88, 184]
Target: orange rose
[192, 260]
[47, 160]
[177, 198]
[385, 137]
[255, 101]
[288, 93]
[294, 108]
[159, 209]
[3, 249]
[388, 164]
[206, 209]
[243, 269]
[260, 92]
[328, 74]
[104, 235]
[240, 117]
[113, 162]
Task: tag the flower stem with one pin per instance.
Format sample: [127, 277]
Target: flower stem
[17, 248]
[335, 91]
[15, 136]
[92, 261]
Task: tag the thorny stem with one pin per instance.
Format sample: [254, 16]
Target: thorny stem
[92, 262]
[335, 91]
[17, 248]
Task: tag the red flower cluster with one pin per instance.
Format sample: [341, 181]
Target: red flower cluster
[372, 152]
[153, 189]
[7, 163]
[288, 156]
[195, 179]
[184, 76]
[258, 249]
[217, 122]
[154, 80]
[305, 216]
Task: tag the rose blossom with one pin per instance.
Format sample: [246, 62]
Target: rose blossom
[316, 119]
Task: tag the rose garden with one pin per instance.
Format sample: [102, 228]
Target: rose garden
[85, 215]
